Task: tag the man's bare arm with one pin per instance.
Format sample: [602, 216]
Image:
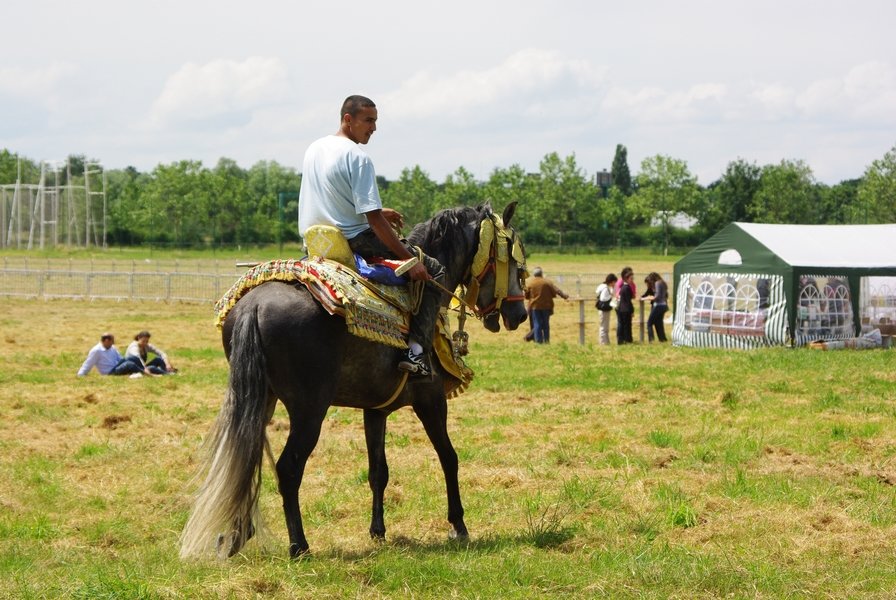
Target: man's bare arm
[383, 230]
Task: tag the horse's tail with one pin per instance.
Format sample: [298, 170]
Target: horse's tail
[225, 511]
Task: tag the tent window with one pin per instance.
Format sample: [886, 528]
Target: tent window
[728, 304]
[824, 309]
[730, 257]
[878, 302]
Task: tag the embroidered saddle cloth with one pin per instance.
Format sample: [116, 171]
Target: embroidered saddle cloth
[380, 313]
[375, 312]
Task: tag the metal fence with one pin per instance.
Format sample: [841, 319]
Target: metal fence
[107, 285]
[187, 280]
[154, 286]
[161, 281]
[169, 281]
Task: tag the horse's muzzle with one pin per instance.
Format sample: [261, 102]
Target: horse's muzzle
[513, 313]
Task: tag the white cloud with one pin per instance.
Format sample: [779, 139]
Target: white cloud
[866, 92]
[653, 104]
[772, 100]
[35, 83]
[522, 84]
[220, 91]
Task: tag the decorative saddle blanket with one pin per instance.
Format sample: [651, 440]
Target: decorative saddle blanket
[376, 312]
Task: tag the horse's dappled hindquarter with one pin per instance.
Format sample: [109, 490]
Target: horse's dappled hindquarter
[283, 345]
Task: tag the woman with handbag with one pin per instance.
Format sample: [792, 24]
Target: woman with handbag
[605, 292]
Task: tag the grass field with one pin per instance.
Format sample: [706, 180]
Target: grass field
[643, 471]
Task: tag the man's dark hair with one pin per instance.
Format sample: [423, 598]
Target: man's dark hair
[355, 103]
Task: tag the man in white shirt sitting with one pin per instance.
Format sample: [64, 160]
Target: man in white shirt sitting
[104, 356]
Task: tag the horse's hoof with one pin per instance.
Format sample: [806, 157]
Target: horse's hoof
[297, 551]
[458, 533]
[377, 535]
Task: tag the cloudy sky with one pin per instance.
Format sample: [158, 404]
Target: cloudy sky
[479, 84]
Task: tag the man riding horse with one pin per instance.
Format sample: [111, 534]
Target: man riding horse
[339, 188]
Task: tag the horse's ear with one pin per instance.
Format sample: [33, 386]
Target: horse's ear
[508, 213]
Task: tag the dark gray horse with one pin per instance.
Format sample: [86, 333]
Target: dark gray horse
[283, 345]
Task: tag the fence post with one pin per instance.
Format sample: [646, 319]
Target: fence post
[581, 321]
[641, 318]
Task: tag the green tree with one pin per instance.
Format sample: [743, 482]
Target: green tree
[622, 178]
[230, 208]
[124, 188]
[564, 192]
[7, 167]
[413, 194]
[460, 189]
[11, 165]
[727, 200]
[665, 188]
[838, 202]
[877, 192]
[515, 184]
[177, 203]
[786, 194]
[266, 181]
[619, 217]
[77, 163]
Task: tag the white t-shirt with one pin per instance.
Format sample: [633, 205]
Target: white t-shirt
[338, 186]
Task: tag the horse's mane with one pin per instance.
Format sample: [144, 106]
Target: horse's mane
[449, 228]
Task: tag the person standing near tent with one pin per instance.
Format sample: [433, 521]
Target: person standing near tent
[605, 292]
[625, 307]
[659, 301]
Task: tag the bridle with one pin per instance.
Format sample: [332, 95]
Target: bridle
[497, 245]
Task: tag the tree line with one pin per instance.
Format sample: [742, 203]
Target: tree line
[188, 204]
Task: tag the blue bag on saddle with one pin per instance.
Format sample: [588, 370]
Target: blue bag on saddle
[378, 272]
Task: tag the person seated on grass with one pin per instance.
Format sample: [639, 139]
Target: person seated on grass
[138, 353]
[108, 361]
[104, 356]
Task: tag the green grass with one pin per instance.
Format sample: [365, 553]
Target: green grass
[644, 471]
